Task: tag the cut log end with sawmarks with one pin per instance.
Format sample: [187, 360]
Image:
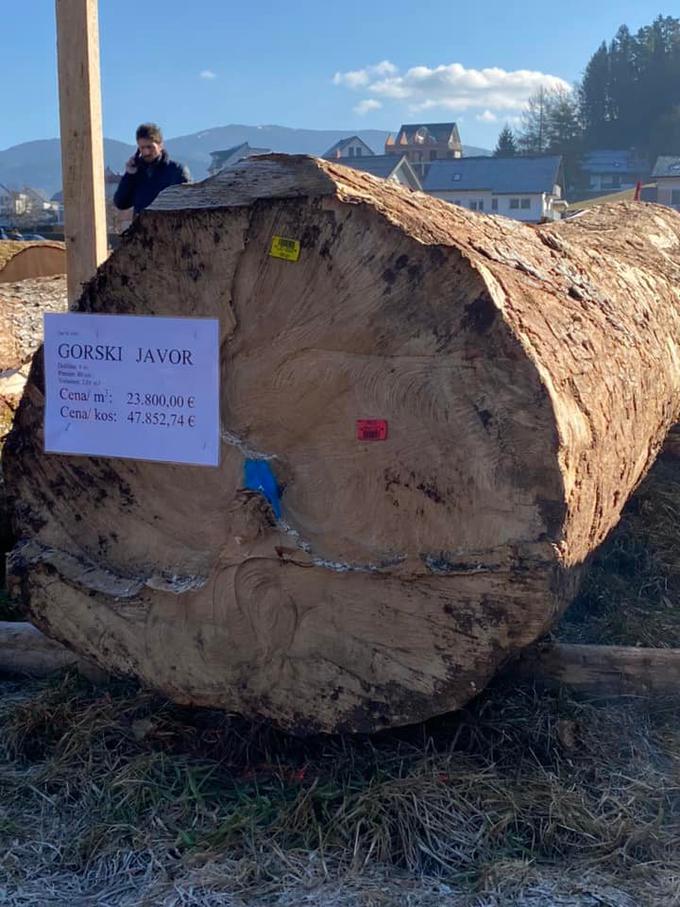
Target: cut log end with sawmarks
[430, 419]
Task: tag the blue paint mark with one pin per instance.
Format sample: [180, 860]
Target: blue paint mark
[258, 476]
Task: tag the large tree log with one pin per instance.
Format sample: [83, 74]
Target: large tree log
[28, 260]
[528, 377]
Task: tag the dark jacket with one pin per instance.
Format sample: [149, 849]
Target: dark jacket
[138, 190]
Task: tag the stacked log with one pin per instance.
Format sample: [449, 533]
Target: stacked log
[22, 306]
[525, 379]
[28, 260]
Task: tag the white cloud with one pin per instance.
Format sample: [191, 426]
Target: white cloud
[367, 105]
[451, 87]
[357, 78]
[207, 74]
[487, 117]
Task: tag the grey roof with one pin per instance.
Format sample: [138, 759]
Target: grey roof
[440, 132]
[666, 165]
[342, 144]
[607, 161]
[382, 165]
[227, 153]
[235, 154]
[503, 175]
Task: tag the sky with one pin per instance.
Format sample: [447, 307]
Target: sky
[357, 64]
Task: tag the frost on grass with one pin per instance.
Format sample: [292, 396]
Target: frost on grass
[112, 796]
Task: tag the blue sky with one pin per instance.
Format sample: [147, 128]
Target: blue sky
[354, 64]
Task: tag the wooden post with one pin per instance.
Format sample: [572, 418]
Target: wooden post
[82, 149]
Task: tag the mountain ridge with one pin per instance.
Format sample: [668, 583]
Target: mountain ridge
[38, 163]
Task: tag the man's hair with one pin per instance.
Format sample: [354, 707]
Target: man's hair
[149, 131]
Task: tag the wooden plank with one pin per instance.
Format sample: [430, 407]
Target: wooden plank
[605, 670]
[25, 650]
[82, 148]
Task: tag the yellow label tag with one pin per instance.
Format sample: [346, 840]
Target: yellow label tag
[288, 249]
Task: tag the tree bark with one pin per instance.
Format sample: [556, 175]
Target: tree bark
[528, 377]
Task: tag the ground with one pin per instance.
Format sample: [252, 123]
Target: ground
[113, 797]
[110, 795]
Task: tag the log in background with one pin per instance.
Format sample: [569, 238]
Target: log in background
[528, 376]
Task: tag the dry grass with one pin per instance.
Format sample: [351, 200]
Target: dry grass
[113, 796]
[631, 593]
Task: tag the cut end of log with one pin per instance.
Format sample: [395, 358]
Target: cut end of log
[509, 373]
[28, 260]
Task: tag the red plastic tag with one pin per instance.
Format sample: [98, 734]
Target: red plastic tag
[371, 429]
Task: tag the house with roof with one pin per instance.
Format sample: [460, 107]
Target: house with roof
[348, 148]
[26, 202]
[607, 171]
[523, 188]
[6, 204]
[423, 143]
[231, 156]
[666, 176]
[387, 167]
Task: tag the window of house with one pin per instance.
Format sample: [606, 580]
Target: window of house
[675, 196]
[477, 204]
[357, 152]
[514, 204]
[526, 203]
[494, 204]
[351, 151]
[456, 178]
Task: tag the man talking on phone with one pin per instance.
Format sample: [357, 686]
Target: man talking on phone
[148, 171]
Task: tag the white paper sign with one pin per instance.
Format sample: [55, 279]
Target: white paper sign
[141, 387]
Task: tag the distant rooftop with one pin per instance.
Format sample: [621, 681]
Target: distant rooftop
[428, 134]
[335, 151]
[666, 165]
[613, 161]
[222, 159]
[495, 174]
[383, 166]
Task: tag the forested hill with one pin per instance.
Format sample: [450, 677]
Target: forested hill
[630, 92]
[628, 99]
